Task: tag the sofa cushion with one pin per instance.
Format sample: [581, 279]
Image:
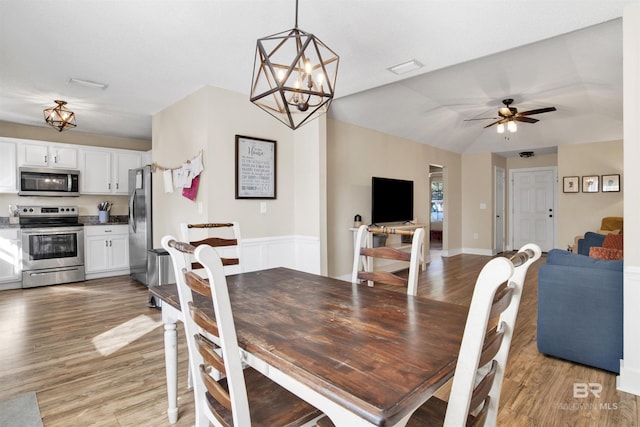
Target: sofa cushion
[606, 253]
[614, 241]
[590, 239]
[612, 223]
[560, 257]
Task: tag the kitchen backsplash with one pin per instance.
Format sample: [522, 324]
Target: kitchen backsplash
[87, 204]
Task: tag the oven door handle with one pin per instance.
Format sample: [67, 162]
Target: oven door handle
[132, 221]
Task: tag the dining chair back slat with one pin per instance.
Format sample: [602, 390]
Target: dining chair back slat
[491, 345]
[206, 350]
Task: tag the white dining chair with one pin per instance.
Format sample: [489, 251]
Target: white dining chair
[224, 237]
[365, 253]
[477, 381]
[243, 397]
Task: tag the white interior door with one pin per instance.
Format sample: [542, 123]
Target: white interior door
[498, 221]
[533, 206]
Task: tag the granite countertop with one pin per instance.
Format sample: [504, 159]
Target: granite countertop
[4, 223]
[113, 220]
[86, 220]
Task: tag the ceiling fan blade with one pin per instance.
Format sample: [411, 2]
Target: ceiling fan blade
[483, 118]
[538, 111]
[494, 123]
[526, 119]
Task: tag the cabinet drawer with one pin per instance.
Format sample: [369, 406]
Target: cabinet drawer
[101, 230]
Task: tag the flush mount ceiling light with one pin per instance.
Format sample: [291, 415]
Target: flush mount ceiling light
[60, 117]
[87, 83]
[294, 76]
[405, 67]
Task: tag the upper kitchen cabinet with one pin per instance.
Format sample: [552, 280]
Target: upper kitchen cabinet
[47, 155]
[7, 166]
[106, 171]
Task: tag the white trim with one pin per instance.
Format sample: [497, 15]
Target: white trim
[477, 251]
[629, 378]
[107, 273]
[503, 172]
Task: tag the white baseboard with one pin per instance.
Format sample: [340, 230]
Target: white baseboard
[110, 273]
[629, 379]
[476, 251]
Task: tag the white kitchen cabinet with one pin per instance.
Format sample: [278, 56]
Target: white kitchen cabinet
[95, 171]
[106, 171]
[10, 262]
[8, 167]
[122, 162]
[106, 250]
[48, 155]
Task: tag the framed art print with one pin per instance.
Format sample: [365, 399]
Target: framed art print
[255, 168]
[571, 184]
[610, 183]
[590, 184]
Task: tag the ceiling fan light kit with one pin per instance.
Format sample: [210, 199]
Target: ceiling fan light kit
[60, 117]
[294, 76]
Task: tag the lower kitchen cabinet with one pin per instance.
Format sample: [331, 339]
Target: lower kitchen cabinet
[106, 250]
[10, 268]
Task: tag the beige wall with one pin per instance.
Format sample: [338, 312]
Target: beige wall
[46, 133]
[581, 212]
[477, 190]
[629, 379]
[208, 121]
[354, 155]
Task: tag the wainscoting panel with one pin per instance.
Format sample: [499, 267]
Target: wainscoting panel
[297, 252]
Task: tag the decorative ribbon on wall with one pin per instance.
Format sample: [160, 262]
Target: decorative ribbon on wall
[185, 176]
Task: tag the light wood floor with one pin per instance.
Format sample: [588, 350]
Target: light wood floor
[93, 352]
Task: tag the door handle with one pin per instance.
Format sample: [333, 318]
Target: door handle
[131, 214]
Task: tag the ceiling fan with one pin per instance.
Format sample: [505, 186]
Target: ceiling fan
[509, 115]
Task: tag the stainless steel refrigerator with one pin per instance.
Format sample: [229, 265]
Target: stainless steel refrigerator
[140, 222]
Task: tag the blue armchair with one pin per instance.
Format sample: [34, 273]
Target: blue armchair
[580, 309]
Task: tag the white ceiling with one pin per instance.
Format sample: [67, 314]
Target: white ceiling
[566, 54]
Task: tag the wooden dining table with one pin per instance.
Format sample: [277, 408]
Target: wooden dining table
[363, 355]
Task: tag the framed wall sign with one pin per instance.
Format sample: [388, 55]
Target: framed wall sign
[255, 168]
[610, 183]
[571, 184]
[590, 184]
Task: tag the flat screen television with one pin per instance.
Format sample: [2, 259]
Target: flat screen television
[391, 200]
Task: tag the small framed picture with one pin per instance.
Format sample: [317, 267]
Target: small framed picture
[571, 184]
[590, 184]
[610, 183]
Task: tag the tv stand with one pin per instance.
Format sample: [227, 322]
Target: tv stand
[395, 241]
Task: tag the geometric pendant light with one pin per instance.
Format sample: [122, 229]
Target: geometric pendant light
[60, 117]
[294, 76]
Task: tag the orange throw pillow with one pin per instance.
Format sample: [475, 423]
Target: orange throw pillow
[606, 253]
[614, 241]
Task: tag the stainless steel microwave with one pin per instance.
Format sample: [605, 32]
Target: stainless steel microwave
[48, 182]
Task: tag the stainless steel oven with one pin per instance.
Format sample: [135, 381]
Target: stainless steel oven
[52, 245]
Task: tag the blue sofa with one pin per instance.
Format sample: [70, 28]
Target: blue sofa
[580, 309]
